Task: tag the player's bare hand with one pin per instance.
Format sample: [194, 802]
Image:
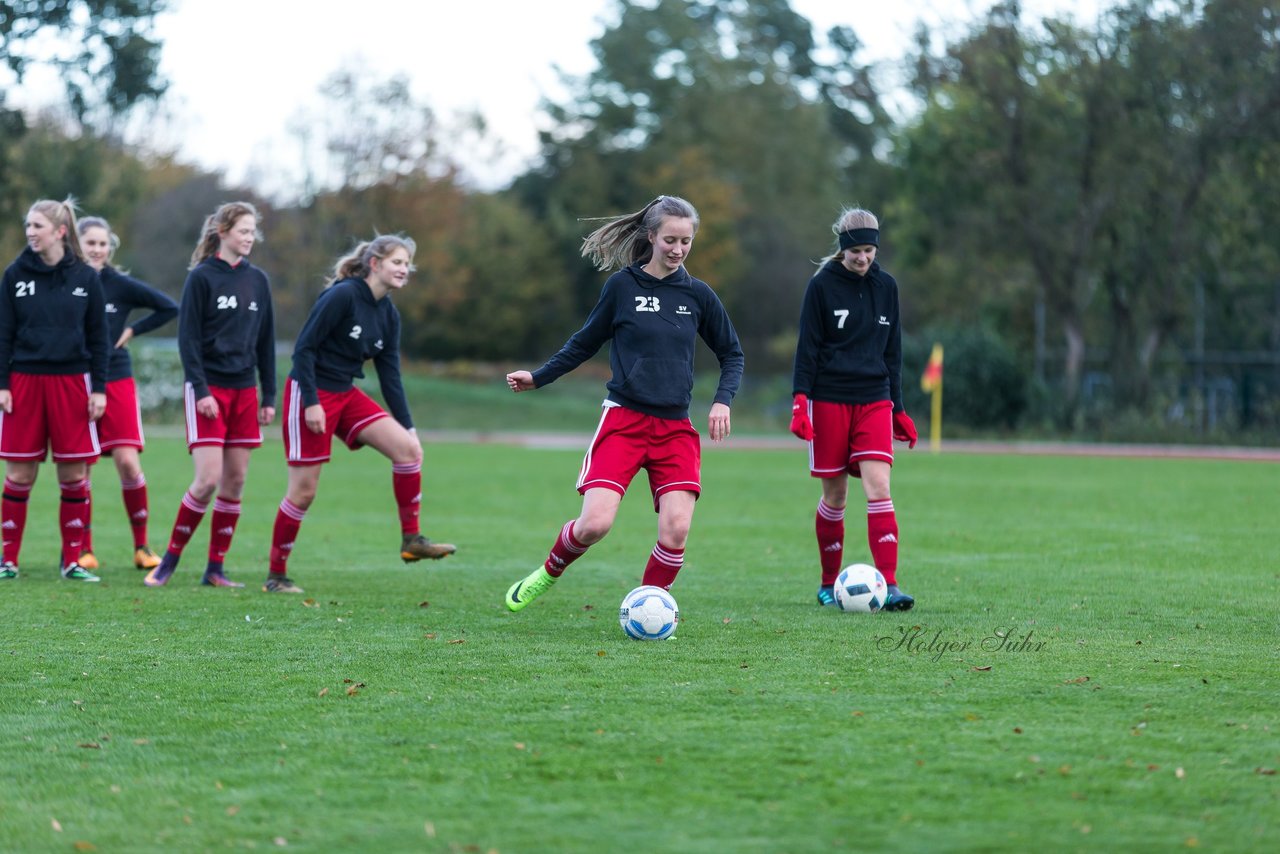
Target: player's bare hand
[124, 337]
[314, 416]
[97, 405]
[6, 400]
[718, 423]
[266, 415]
[207, 406]
[519, 381]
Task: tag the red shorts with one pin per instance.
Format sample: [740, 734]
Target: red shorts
[49, 410]
[236, 422]
[346, 413]
[844, 434]
[627, 441]
[121, 424]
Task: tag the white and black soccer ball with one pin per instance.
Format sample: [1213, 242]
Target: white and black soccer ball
[861, 588]
[649, 613]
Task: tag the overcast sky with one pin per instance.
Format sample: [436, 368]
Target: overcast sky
[239, 72]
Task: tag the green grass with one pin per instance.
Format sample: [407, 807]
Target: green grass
[401, 708]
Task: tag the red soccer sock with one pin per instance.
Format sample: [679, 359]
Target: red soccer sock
[882, 536]
[13, 508]
[134, 493]
[284, 534]
[566, 550]
[663, 566]
[406, 482]
[72, 516]
[190, 512]
[86, 542]
[828, 523]
[226, 513]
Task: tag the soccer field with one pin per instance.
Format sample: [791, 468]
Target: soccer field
[1091, 665]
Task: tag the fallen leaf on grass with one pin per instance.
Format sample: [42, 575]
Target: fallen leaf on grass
[323, 692]
[588, 607]
[310, 603]
[352, 690]
[82, 845]
[983, 667]
[519, 745]
[727, 620]
[857, 713]
[458, 640]
[1153, 767]
[1266, 772]
[424, 604]
[91, 745]
[56, 825]
[430, 635]
[1079, 680]
[1017, 730]
[141, 741]
[281, 841]
[233, 809]
[1179, 773]
[430, 829]
[601, 653]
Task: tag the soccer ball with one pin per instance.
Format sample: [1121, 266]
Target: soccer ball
[860, 587]
[649, 613]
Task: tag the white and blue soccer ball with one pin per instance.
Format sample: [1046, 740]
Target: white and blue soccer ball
[649, 613]
[861, 588]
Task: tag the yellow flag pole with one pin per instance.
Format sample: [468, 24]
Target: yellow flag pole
[931, 381]
[935, 419]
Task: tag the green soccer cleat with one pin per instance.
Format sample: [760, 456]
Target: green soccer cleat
[529, 588]
[8, 570]
[75, 572]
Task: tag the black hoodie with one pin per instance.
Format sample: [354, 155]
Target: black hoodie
[850, 344]
[653, 323]
[53, 320]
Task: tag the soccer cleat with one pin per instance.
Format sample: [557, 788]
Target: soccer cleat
[416, 547]
[529, 588]
[8, 569]
[827, 595]
[218, 579]
[161, 573]
[87, 560]
[896, 600]
[75, 572]
[144, 558]
[280, 584]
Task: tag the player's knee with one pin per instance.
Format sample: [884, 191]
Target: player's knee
[589, 530]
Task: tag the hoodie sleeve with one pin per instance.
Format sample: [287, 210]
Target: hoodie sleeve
[267, 347]
[141, 295]
[8, 326]
[330, 307]
[95, 333]
[893, 348]
[587, 341]
[387, 364]
[191, 332]
[717, 330]
[809, 341]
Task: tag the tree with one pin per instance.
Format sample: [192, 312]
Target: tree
[723, 103]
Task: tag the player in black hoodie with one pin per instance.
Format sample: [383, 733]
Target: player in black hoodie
[353, 320]
[652, 311]
[226, 335]
[120, 428]
[848, 397]
[53, 377]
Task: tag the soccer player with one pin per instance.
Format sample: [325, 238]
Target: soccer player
[653, 312]
[120, 428]
[226, 334]
[53, 377]
[848, 397]
[353, 320]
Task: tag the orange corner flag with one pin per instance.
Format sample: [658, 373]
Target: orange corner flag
[931, 380]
